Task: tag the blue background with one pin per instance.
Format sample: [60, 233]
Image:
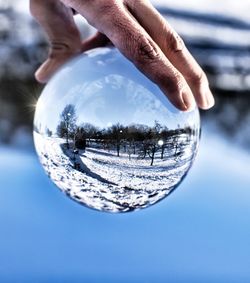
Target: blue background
[201, 233]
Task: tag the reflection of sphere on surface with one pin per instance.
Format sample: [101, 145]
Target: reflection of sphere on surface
[108, 137]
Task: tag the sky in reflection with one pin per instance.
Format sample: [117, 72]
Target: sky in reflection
[103, 95]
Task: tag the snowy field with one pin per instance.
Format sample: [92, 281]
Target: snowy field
[107, 182]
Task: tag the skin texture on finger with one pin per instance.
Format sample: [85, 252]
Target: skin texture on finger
[98, 40]
[174, 48]
[51, 65]
[64, 37]
[114, 20]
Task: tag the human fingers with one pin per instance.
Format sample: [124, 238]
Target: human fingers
[64, 37]
[97, 40]
[114, 20]
[174, 49]
[52, 64]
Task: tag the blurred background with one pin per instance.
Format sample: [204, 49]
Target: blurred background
[201, 232]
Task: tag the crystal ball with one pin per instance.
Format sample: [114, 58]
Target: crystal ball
[108, 137]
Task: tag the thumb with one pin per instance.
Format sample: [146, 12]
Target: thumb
[51, 65]
[59, 56]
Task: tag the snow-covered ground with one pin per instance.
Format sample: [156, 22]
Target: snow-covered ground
[106, 182]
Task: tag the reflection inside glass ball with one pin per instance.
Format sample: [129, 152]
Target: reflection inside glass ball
[109, 138]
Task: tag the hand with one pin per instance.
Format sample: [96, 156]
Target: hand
[138, 31]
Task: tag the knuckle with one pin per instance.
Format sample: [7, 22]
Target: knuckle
[106, 7]
[174, 42]
[146, 51]
[58, 49]
[174, 84]
[198, 78]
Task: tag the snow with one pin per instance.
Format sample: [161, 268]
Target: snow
[107, 182]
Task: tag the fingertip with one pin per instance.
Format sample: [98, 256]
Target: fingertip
[182, 98]
[47, 69]
[188, 100]
[182, 101]
[39, 77]
[208, 99]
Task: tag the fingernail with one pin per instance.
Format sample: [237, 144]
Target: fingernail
[188, 100]
[209, 98]
[39, 76]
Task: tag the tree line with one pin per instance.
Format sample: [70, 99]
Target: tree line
[134, 139]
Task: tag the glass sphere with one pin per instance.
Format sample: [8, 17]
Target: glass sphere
[108, 137]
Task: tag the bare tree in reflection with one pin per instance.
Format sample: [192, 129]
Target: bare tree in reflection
[135, 140]
[80, 138]
[152, 142]
[117, 134]
[91, 132]
[136, 135]
[164, 136]
[67, 126]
